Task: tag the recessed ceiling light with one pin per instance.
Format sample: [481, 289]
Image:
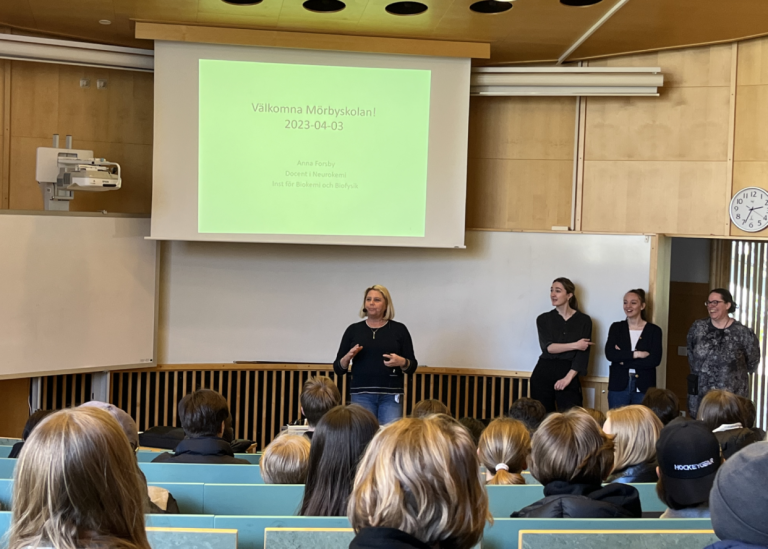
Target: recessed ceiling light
[491, 6]
[406, 8]
[105, 22]
[324, 6]
[242, 2]
[580, 3]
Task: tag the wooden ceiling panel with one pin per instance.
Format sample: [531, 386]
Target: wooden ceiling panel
[17, 13]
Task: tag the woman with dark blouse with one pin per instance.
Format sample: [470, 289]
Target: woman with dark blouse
[721, 351]
[634, 349]
[381, 351]
[564, 336]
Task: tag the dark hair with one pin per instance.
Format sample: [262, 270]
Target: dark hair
[727, 298]
[338, 445]
[720, 407]
[36, 417]
[318, 395]
[531, 412]
[202, 413]
[597, 415]
[428, 407]
[663, 402]
[570, 288]
[639, 292]
[749, 411]
[474, 426]
[669, 500]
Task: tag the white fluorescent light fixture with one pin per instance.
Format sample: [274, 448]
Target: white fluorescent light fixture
[566, 81]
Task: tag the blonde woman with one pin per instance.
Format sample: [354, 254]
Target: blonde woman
[286, 460]
[427, 493]
[77, 486]
[635, 430]
[382, 353]
[504, 448]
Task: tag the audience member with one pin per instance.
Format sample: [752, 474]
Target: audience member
[503, 449]
[662, 402]
[417, 487]
[318, 395]
[474, 426]
[597, 415]
[430, 406]
[635, 430]
[750, 416]
[204, 416]
[737, 503]
[689, 457]
[571, 457]
[724, 414]
[286, 460]
[36, 417]
[531, 412]
[340, 440]
[77, 486]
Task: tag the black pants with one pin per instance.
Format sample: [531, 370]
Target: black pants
[546, 373]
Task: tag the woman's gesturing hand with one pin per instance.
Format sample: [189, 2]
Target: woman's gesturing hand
[394, 361]
[582, 344]
[347, 358]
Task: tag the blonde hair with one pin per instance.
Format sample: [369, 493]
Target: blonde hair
[389, 313]
[428, 486]
[505, 441]
[286, 460]
[77, 484]
[429, 406]
[635, 430]
[571, 447]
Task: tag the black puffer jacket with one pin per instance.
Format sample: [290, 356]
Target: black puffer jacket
[565, 500]
[642, 472]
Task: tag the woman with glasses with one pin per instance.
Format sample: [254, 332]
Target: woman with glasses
[721, 351]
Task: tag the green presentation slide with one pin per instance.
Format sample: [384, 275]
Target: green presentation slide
[312, 150]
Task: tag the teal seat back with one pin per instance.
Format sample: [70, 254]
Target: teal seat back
[251, 529]
[262, 499]
[7, 465]
[181, 538]
[5, 451]
[679, 539]
[291, 538]
[648, 497]
[202, 472]
[6, 491]
[180, 521]
[252, 458]
[189, 496]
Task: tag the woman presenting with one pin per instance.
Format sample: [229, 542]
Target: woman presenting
[634, 349]
[721, 351]
[564, 336]
[382, 353]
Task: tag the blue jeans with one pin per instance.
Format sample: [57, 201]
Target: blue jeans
[383, 407]
[617, 399]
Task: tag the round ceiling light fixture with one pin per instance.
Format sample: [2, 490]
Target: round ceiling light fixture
[324, 6]
[105, 22]
[406, 8]
[491, 6]
[580, 3]
[242, 2]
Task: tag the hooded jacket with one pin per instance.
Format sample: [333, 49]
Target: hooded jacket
[385, 538]
[201, 450]
[642, 472]
[566, 500]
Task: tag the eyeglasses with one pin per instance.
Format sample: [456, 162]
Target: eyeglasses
[713, 302]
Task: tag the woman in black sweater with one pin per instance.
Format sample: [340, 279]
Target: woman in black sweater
[634, 349]
[382, 353]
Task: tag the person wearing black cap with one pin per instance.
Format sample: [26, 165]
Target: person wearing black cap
[737, 504]
[689, 457]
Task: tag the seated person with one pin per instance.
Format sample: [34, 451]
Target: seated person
[424, 408]
[738, 504]
[438, 503]
[724, 414]
[635, 430]
[32, 422]
[286, 460]
[318, 395]
[474, 426]
[204, 416]
[689, 457]
[77, 484]
[503, 449]
[597, 415]
[662, 402]
[531, 412]
[571, 456]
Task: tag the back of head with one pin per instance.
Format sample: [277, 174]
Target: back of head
[340, 439]
[719, 408]
[662, 402]
[77, 484]
[420, 476]
[531, 412]
[474, 426]
[36, 417]
[286, 460]
[597, 415]
[571, 447]
[749, 412]
[123, 419]
[202, 413]
[505, 443]
[318, 395]
[424, 408]
[635, 430]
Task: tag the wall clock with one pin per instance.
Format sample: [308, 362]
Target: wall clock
[749, 209]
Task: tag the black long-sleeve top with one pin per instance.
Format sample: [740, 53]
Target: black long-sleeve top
[369, 374]
[622, 360]
[553, 328]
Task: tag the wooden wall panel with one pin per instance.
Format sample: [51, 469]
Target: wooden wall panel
[14, 406]
[5, 126]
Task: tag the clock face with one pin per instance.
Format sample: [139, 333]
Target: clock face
[749, 209]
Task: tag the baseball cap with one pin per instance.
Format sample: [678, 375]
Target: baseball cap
[689, 457]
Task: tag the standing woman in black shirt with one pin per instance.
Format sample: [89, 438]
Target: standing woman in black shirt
[565, 336]
[381, 351]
